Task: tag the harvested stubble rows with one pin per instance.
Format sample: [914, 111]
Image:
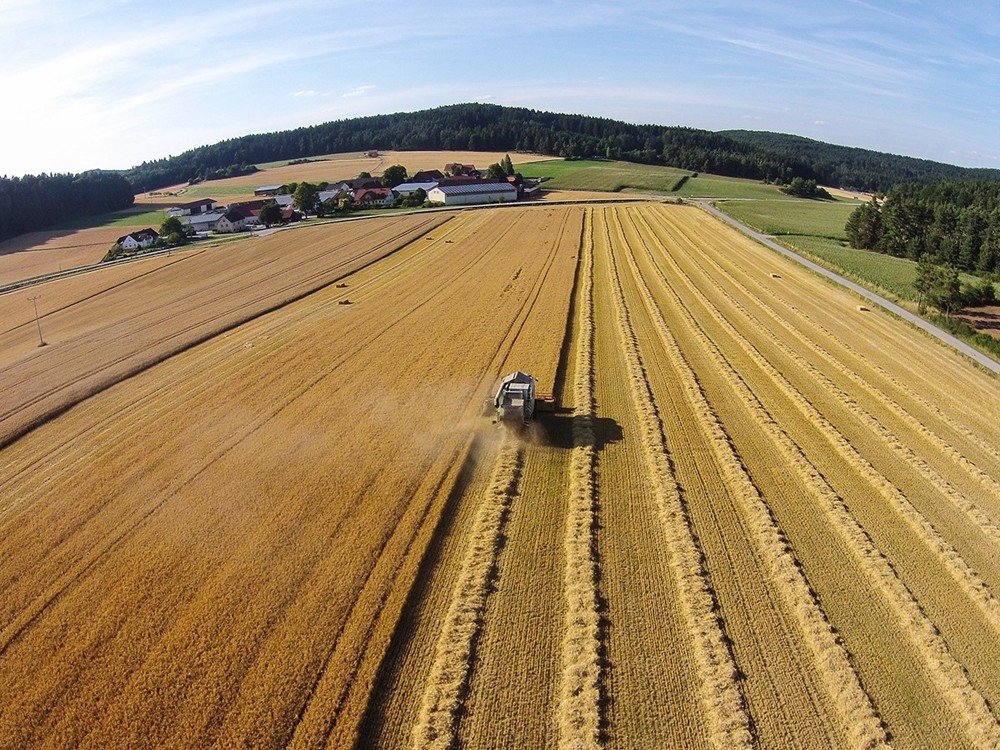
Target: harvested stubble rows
[221, 551]
[105, 325]
[759, 517]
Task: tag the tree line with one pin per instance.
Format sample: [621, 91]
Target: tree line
[36, 202]
[483, 127]
[858, 168]
[957, 223]
[489, 127]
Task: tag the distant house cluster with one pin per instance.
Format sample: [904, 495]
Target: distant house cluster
[457, 184]
[208, 215]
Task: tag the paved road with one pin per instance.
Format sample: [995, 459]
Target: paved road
[933, 330]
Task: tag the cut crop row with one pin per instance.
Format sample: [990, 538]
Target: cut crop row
[857, 716]
[946, 672]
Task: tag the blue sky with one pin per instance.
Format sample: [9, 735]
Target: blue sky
[111, 83]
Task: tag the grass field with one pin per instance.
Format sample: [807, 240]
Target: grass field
[813, 218]
[716, 186]
[602, 176]
[584, 174]
[134, 217]
[758, 517]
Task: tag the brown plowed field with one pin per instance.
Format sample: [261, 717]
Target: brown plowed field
[235, 511]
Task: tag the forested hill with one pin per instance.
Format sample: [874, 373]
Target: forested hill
[846, 166]
[39, 201]
[483, 127]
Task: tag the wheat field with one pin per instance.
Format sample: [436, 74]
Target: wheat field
[248, 498]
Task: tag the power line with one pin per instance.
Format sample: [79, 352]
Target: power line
[34, 301]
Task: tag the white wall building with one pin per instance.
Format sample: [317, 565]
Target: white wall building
[473, 192]
[206, 205]
[407, 188]
[203, 222]
[135, 240]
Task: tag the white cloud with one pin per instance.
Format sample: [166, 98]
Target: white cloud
[306, 92]
[359, 91]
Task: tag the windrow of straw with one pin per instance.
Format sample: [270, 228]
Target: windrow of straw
[943, 668]
[453, 657]
[861, 724]
[579, 699]
[966, 579]
[724, 706]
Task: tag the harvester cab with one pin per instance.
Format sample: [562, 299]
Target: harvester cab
[516, 401]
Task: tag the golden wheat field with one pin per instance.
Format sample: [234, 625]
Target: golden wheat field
[248, 498]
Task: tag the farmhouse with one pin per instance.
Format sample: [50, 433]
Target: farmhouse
[380, 196]
[267, 189]
[239, 217]
[427, 175]
[136, 240]
[194, 207]
[456, 168]
[336, 195]
[473, 192]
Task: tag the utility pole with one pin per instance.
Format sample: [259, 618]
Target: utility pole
[34, 301]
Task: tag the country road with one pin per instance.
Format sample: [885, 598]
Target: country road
[956, 343]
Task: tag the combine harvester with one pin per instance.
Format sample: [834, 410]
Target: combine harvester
[516, 401]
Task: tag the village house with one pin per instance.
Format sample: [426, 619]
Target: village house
[456, 168]
[427, 175]
[373, 197]
[140, 239]
[267, 189]
[239, 218]
[473, 192]
[205, 205]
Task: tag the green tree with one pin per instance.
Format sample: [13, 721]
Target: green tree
[305, 197]
[394, 175]
[363, 175]
[864, 226]
[508, 165]
[270, 213]
[495, 171]
[172, 225]
[937, 286]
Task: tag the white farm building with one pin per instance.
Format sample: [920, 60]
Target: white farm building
[473, 192]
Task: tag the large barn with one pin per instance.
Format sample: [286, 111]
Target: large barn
[473, 192]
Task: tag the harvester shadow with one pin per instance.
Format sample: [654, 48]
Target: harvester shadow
[555, 428]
